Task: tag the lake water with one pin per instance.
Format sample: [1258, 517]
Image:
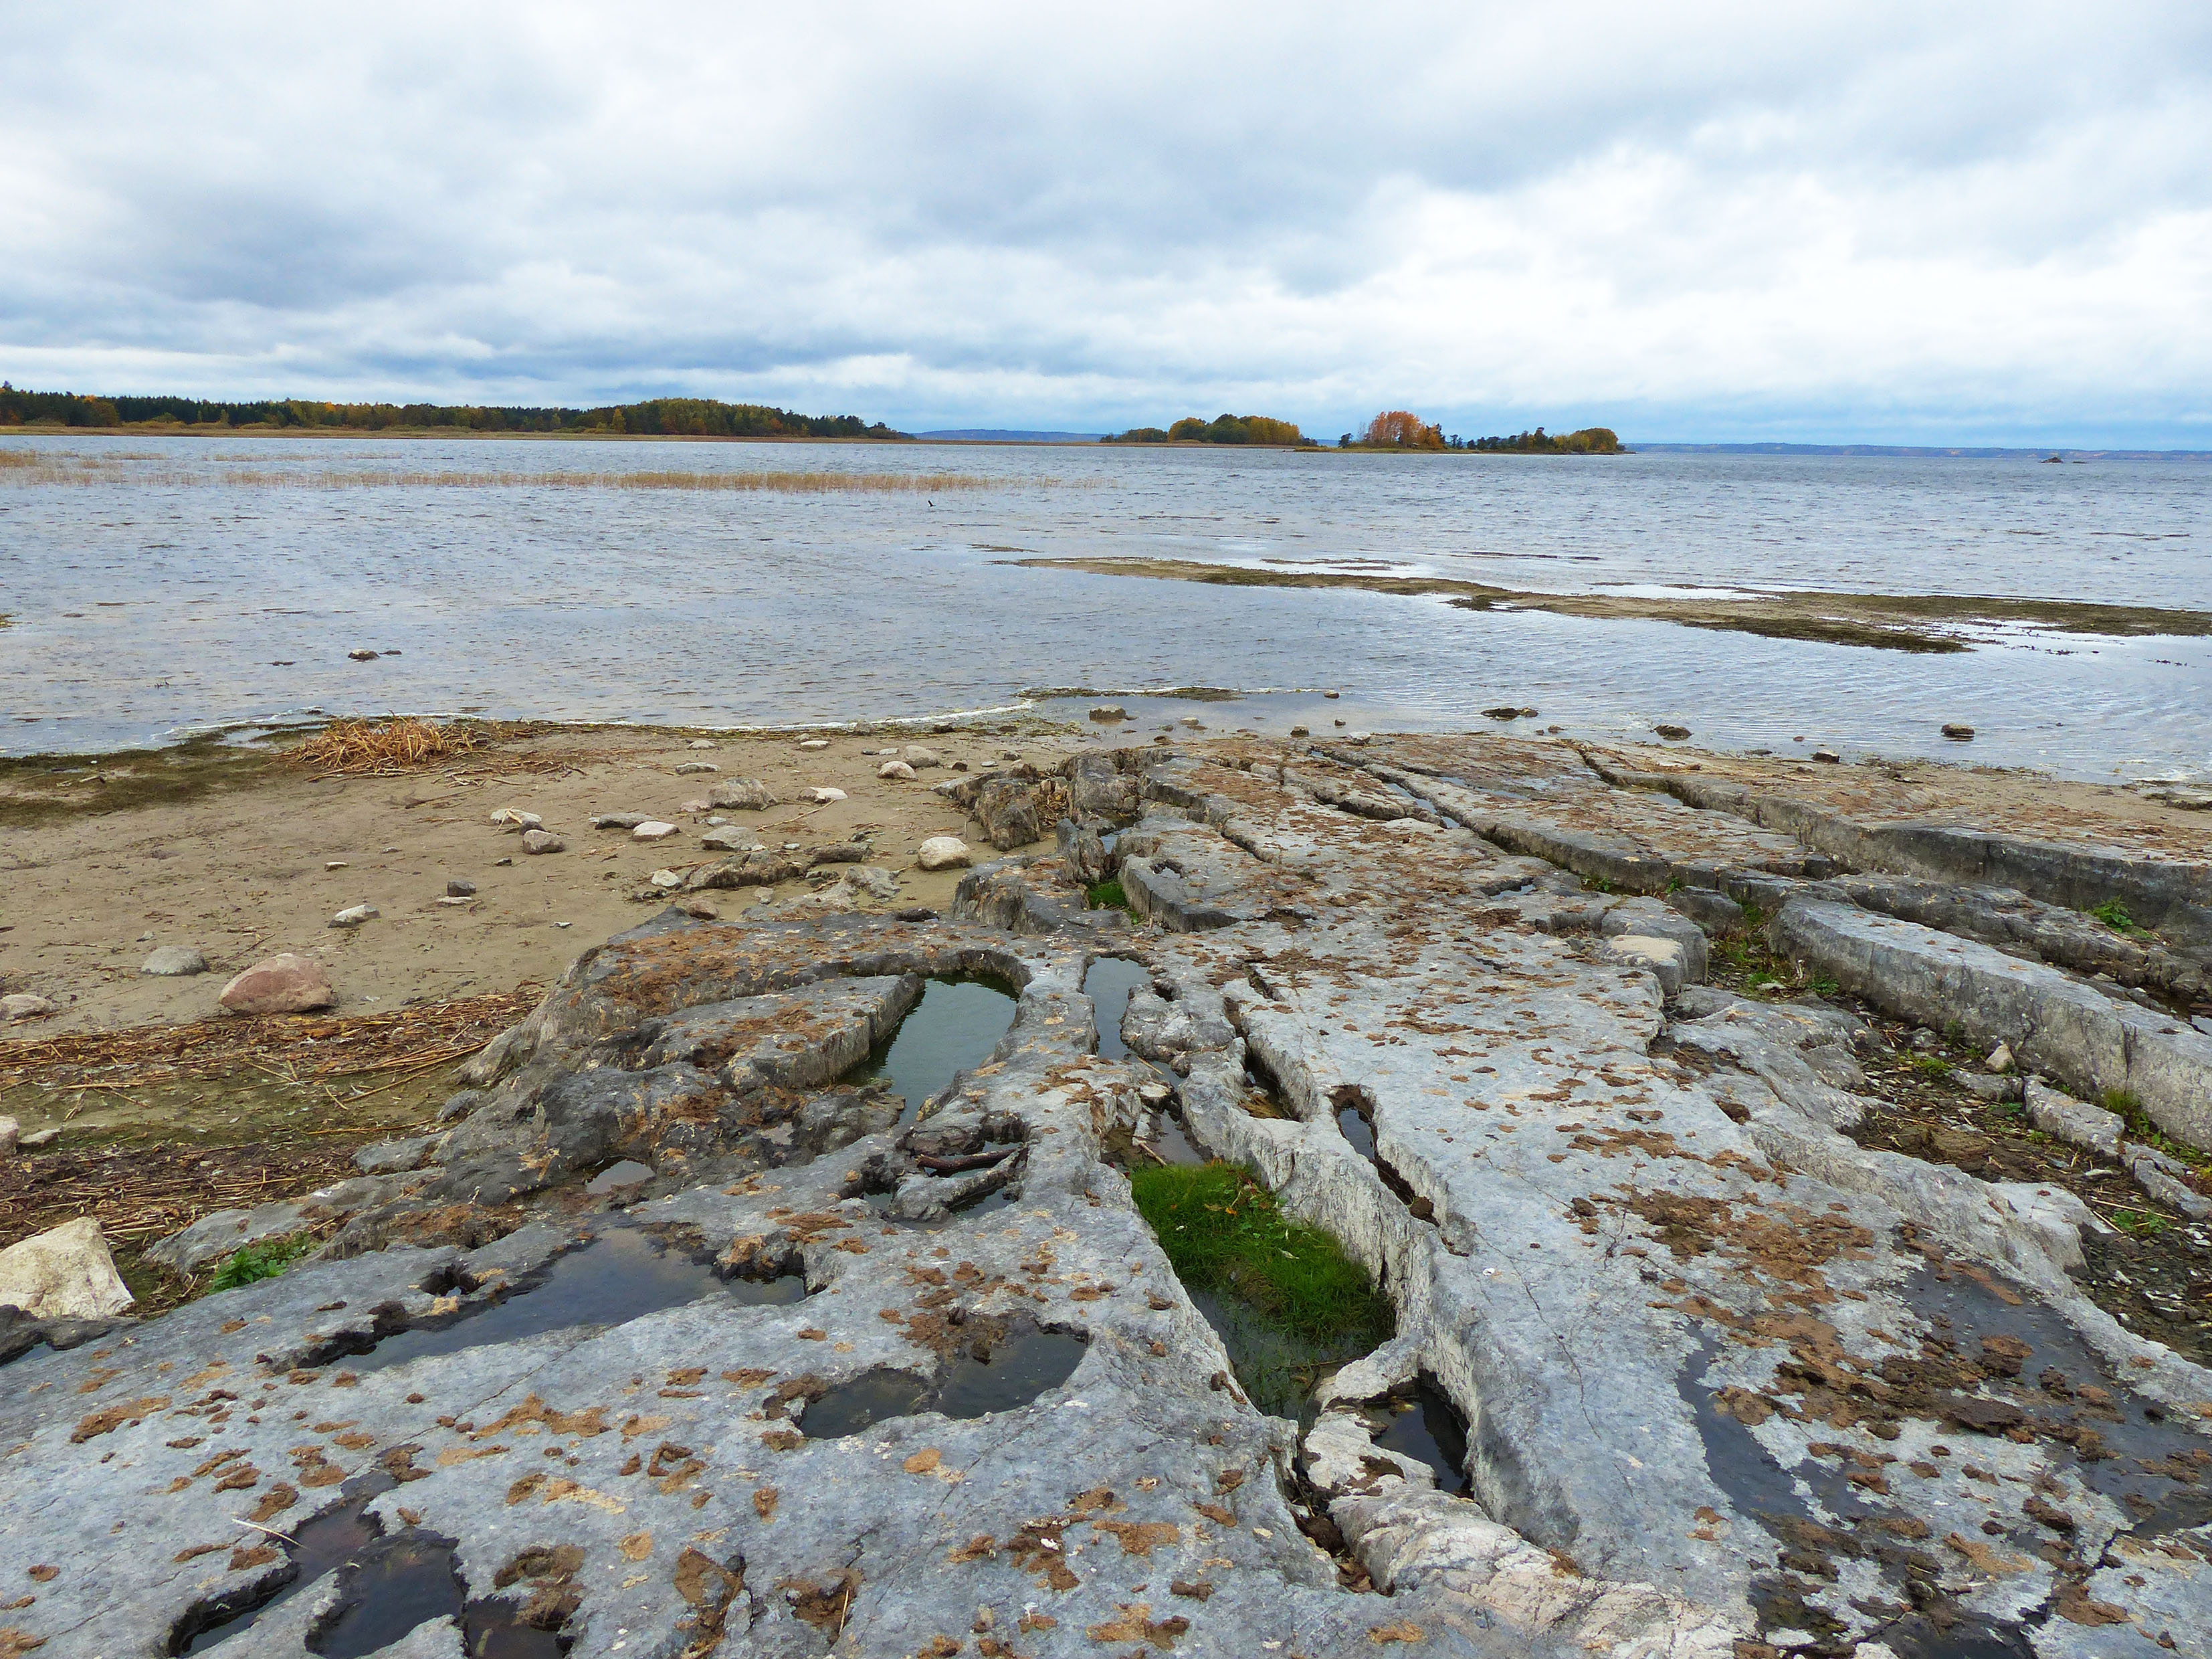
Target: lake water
[165, 595]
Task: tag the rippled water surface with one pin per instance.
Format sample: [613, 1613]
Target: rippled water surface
[183, 583]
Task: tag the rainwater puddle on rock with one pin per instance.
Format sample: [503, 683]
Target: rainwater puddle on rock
[1006, 1375]
[994, 1373]
[395, 1584]
[1275, 1368]
[953, 1028]
[619, 1276]
[866, 1401]
[1424, 1423]
[1108, 982]
[2110, 1439]
[616, 1176]
[317, 1548]
[1761, 1488]
[389, 1586]
[1352, 1121]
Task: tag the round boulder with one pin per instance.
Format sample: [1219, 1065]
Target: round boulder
[943, 852]
[285, 984]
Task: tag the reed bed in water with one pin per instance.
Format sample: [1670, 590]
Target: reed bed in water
[796, 484]
[24, 467]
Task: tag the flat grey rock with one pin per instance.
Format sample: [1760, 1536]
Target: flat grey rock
[1704, 1343]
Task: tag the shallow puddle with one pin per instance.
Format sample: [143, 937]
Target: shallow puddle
[620, 1275]
[1275, 1368]
[1425, 1425]
[2121, 1445]
[864, 1401]
[617, 1177]
[387, 1586]
[953, 1028]
[1108, 983]
[1001, 1373]
[1356, 1129]
[1008, 1374]
[317, 1548]
[390, 1585]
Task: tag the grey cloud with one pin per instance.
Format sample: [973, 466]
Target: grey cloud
[1714, 214]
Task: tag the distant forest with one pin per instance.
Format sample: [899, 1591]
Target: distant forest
[675, 418]
[1590, 440]
[1222, 429]
[1399, 428]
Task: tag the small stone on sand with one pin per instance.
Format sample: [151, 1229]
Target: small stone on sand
[174, 961]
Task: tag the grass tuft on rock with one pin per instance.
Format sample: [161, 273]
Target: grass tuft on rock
[1107, 896]
[2114, 914]
[1224, 1234]
[259, 1262]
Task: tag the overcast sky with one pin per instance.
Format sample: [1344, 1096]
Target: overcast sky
[1906, 223]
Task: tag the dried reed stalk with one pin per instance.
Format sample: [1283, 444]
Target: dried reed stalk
[361, 746]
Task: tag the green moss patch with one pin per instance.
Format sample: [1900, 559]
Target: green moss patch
[1224, 1234]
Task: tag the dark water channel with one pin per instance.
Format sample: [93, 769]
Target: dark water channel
[1276, 1369]
[1424, 1423]
[1109, 982]
[990, 1375]
[953, 1028]
[619, 1276]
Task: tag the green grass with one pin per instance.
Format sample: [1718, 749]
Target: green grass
[1107, 896]
[2129, 1108]
[2139, 1223]
[259, 1262]
[1933, 1065]
[1223, 1234]
[2114, 914]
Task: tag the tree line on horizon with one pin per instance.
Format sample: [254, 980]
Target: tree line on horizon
[1222, 429]
[1399, 428]
[1393, 428]
[675, 418]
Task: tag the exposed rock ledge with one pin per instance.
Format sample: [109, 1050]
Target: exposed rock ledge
[1732, 1383]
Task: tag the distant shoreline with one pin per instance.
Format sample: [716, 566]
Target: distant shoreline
[1629, 446]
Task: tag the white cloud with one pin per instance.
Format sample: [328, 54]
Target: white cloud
[1720, 221]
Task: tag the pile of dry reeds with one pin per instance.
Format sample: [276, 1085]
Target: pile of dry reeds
[290, 1048]
[363, 746]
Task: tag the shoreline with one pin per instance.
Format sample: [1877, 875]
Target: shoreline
[1895, 621]
[110, 856]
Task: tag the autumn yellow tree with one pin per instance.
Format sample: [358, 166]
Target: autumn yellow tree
[1399, 428]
